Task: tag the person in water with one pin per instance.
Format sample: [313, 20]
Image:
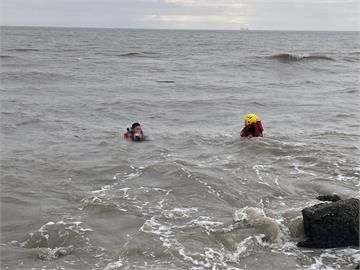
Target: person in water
[253, 127]
[134, 133]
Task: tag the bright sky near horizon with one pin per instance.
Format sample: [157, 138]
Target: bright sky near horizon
[341, 15]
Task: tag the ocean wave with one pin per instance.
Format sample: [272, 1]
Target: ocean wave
[165, 81]
[56, 234]
[256, 103]
[140, 54]
[144, 54]
[256, 218]
[29, 122]
[348, 256]
[352, 59]
[70, 50]
[48, 254]
[231, 143]
[56, 239]
[35, 76]
[23, 50]
[348, 90]
[6, 56]
[342, 115]
[96, 205]
[289, 57]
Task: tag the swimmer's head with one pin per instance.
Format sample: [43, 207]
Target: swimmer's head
[136, 128]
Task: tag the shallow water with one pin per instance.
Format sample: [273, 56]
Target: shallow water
[75, 195]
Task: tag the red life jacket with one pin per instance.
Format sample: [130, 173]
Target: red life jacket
[253, 130]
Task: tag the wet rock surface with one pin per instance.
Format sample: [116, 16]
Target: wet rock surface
[328, 198]
[329, 225]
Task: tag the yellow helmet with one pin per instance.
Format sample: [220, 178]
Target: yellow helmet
[250, 118]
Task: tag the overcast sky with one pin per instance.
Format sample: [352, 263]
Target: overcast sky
[186, 14]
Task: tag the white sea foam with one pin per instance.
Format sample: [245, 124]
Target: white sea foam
[256, 218]
[114, 265]
[179, 213]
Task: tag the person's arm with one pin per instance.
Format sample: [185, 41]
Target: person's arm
[245, 132]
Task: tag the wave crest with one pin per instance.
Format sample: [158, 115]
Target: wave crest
[23, 50]
[289, 57]
[140, 54]
[256, 218]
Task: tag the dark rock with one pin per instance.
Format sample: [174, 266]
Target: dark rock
[328, 198]
[357, 267]
[329, 225]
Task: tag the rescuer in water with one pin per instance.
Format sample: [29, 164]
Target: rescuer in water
[253, 126]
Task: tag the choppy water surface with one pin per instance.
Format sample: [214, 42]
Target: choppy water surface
[75, 195]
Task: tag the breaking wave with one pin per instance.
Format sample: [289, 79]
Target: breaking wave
[55, 240]
[289, 57]
[253, 217]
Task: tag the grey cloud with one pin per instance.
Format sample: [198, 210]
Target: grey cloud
[225, 14]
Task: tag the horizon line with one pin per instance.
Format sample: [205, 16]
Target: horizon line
[244, 29]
